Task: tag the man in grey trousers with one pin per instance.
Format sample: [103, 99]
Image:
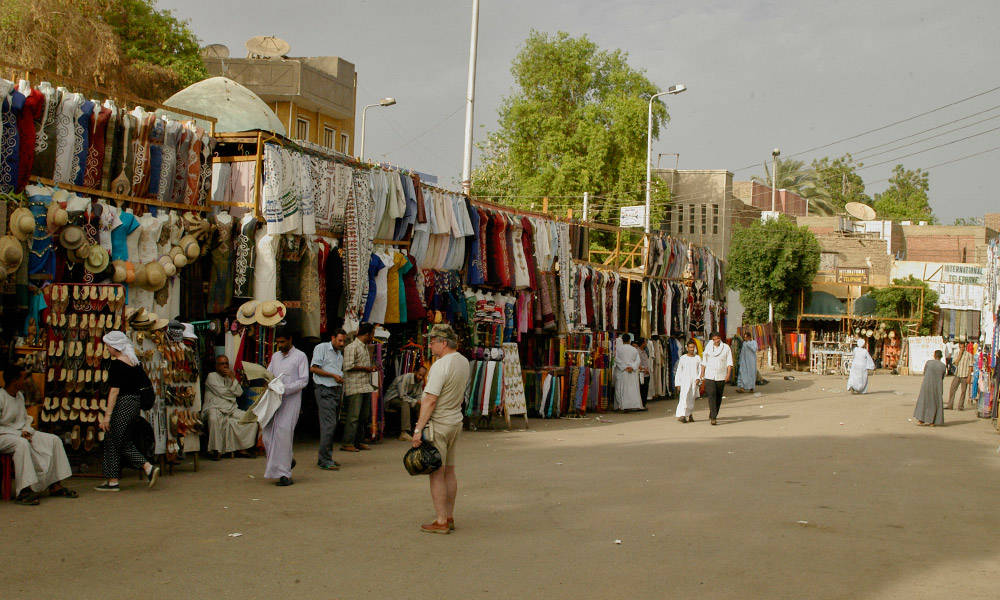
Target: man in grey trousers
[327, 369]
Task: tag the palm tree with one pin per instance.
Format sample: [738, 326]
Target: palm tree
[795, 176]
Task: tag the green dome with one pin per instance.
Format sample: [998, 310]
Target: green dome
[235, 106]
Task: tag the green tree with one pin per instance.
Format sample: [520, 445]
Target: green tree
[796, 177]
[968, 221]
[906, 197]
[902, 303]
[118, 45]
[838, 180]
[156, 38]
[769, 263]
[575, 121]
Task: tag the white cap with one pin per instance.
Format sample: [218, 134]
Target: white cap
[189, 333]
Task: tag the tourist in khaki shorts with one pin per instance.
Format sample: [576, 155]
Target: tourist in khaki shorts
[441, 409]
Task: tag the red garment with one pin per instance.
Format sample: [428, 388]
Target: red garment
[498, 247]
[323, 250]
[414, 305]
[34, 104]
[419, 193]
[483, 241]
[95, 154]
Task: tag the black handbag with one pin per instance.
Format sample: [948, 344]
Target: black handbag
[422, 460]
[147, 397]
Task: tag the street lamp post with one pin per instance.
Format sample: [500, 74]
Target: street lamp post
[774, 176]
[674, 89]
[364, 114]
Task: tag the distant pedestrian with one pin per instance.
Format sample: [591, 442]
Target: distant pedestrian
[644, 369]
[861, 363]
[688, 381]
[716, 369]
[746, 379]
[963, 372]
[628, 396]
[327, 369]
[358, 388]
[441, 414]
[930, 402]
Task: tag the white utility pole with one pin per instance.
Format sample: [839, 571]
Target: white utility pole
[470, 100]
[586, 204]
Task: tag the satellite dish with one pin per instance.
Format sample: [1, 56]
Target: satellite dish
[860, 211]
[215, 51]
[267, 46]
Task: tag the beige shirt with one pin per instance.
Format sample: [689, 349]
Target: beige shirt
[447, 379]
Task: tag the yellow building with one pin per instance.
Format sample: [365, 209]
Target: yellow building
[313, 97]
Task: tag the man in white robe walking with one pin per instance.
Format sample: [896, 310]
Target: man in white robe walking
[280, 431]
[861, 363]
[688, 381]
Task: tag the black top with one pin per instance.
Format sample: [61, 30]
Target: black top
[128, 380]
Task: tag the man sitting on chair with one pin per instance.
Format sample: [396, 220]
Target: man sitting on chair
[226, 431]
[405, 392]
[39, 458]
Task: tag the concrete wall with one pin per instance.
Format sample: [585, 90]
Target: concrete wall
[842, 251]
[703, 208]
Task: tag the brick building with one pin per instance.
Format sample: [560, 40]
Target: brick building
[758, 195]
[947, 243]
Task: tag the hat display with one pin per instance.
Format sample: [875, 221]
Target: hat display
[160, 324]
[270, 313]
[22, 223]
[97, 259]
[139, 278]
[11, 253]
[56, 217]
[168, 266]
[189, 245]
[178, 256]
[143, 319]
[121, 272]
[443, 331]
[189, 333]
[247, 313]
[422, 460]
[156, 277]
[72, 237]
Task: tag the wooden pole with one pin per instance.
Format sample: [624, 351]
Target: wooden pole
[545, 204]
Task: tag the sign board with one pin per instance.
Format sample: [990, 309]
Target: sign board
[968, 274]
[632, 216]
[852, 275]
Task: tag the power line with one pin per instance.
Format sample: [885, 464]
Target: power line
[920, 141]
[884, 162]
[424, 132]
[883, 127]
[947, 162]
[945, 124]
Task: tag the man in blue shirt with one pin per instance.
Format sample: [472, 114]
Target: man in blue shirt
[327, 368]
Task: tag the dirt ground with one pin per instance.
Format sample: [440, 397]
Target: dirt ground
[802, 492]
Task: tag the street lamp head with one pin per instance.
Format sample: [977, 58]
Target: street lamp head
[676, 89]
[776, 152]
[387, 101]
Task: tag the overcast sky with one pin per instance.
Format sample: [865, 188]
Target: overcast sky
[790, 74]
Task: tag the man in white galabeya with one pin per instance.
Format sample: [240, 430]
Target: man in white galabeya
[441, 414]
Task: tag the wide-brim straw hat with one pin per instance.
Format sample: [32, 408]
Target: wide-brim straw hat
[72, 237]
[98, 259]
[247, 313]
[189, 245]
[56, 217]
[121, 272]
[160, 324]
[156, 276]
[22, 223]
[11, 253]
[168, 266]
[178, 256]
[143, 320]
[270, 313]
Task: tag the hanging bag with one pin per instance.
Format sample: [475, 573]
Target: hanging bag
[147, 397]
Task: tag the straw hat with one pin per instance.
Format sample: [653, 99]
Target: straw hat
[143, 319]
[97, 259]
[56, 217]
[160, 324]
[121, 272]
[270, 312]
[139, 278]
[247, 313]
[189, 245]
[156, 277]
[11, 253]
[72, 237]
[133, 314]
[129, 272]
[22, 223]
[168, 266]
[162, 296]
[179, 258]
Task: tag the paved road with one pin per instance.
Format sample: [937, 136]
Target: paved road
[803, 492]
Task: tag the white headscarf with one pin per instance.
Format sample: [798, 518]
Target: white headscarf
[861, 343]
[120, 342]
